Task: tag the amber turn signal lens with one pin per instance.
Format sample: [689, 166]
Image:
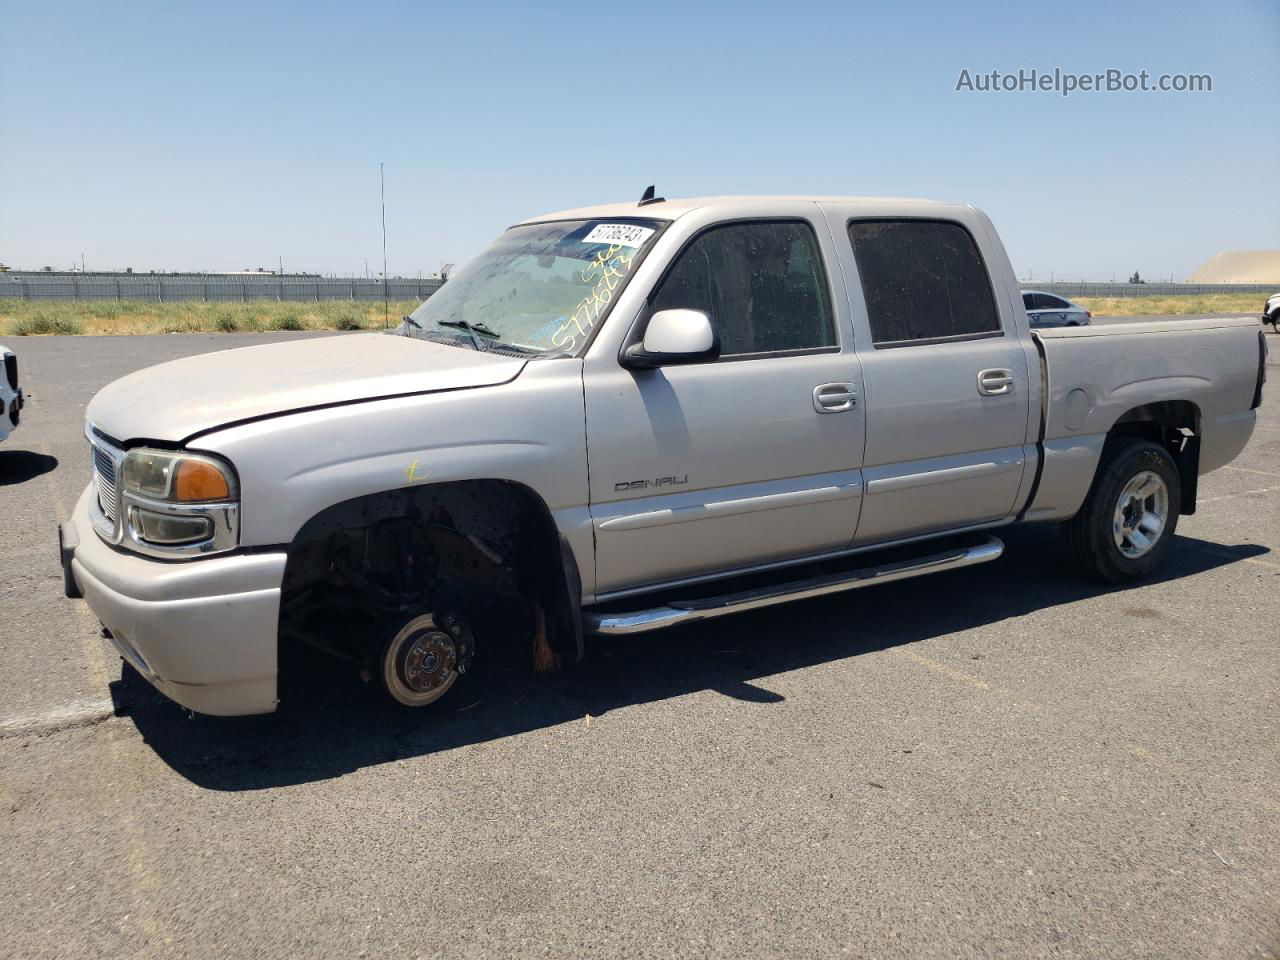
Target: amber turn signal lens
[197, 480]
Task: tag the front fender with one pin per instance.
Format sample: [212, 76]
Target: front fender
[529, 431]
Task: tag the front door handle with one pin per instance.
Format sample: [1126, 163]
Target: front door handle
[995, 382]
[834, 397]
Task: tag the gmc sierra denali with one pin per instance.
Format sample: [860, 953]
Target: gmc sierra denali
[625, 417]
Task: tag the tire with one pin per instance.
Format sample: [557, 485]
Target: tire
[1128, 520]
[422, 660]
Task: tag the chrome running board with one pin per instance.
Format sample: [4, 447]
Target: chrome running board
[705, 608]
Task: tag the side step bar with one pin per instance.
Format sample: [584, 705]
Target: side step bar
[690, 611]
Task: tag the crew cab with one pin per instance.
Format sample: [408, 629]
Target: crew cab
[625, 417]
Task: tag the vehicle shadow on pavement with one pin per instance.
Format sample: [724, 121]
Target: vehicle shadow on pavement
[19, 466]
[331, 724]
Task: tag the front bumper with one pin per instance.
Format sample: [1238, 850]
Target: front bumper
[202, 631]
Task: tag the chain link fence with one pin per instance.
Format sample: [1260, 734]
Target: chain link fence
[1085, 288]
[218, 288]
[165, 288]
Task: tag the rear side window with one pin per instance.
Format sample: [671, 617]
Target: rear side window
[922, 280]
[1048, 302]
[762, 284]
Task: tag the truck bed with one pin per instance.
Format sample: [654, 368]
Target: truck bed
[1100, 374]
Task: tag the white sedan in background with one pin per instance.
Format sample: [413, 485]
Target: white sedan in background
[10, 395]
[1050, 310]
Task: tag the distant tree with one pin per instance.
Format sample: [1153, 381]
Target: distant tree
[1135, 278]
[46, 269]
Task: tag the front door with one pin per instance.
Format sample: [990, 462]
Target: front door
[747, 460]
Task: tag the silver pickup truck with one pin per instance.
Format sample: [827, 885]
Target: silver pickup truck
[626, 417]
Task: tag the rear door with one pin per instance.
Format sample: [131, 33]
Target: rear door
[946, 378]
[747, 460]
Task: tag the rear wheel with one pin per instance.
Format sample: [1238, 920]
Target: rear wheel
[1128, 519]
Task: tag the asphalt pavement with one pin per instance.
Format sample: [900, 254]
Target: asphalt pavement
[1006, 761]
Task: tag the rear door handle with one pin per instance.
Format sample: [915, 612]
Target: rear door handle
[995, 382]
[834, 397]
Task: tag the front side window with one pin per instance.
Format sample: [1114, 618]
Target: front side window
[540, 288]
[761, 283]
[923, 280]
[1029, 301]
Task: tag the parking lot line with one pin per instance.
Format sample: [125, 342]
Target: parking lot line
[1263, 473]
[81, 714]
[90, 637]
[1233, 496]
[144, 883]
[942, 668]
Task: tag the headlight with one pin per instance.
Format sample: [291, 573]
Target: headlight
[178, 503]
[177, 477]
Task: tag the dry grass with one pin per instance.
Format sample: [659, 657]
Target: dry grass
[1244, 304]
[43, 317]
[37, 317]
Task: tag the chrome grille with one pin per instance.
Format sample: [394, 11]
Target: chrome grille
[104, 469]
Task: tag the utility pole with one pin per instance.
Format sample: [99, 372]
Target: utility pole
[280, 260]
[386, 302]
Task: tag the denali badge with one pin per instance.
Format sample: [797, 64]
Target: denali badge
[655, 482]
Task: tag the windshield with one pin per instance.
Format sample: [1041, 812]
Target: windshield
[540, 288]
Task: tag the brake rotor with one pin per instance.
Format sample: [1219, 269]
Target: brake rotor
[430, 662]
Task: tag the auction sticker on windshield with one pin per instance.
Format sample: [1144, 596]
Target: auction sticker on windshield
[622, 234]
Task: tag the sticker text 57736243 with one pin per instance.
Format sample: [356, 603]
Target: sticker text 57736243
[621, 234]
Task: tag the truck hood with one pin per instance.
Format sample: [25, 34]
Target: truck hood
[174, 400]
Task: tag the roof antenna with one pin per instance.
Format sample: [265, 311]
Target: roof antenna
[649, 197]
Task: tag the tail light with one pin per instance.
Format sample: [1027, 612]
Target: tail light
[1088, 314]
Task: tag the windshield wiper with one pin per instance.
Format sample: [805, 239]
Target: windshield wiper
[412, 322]
[472, 329]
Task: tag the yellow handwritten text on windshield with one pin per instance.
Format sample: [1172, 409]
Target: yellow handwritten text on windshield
[607, 269]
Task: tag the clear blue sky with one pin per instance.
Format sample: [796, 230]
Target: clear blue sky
[221, 136]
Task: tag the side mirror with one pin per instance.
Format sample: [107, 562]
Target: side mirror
[671, 337]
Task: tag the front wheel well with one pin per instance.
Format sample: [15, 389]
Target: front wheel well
[487, 549]
[1174, 425]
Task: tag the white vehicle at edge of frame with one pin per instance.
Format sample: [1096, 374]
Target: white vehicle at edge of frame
[1271, 311]
[11, 399]
[779, 397]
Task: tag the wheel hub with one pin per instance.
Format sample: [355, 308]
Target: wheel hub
[429, 661]
[1141, 514]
